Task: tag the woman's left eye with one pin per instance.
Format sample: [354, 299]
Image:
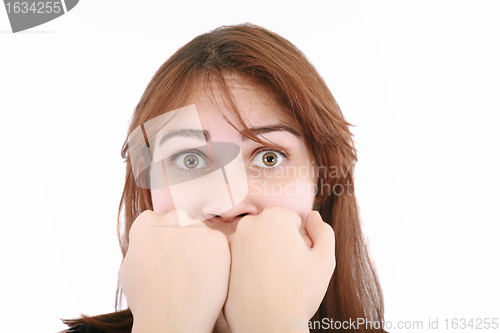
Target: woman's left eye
[268, 159]
[191, 161]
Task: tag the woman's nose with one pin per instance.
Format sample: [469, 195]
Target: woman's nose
[234, 214]
[227, 221]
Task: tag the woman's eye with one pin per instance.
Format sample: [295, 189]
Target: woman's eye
[190, 161]
[268, 159]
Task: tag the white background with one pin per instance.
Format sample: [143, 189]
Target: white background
[419, 79]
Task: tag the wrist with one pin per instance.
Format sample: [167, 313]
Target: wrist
[161, 324]
[265, 324]
[149, 324]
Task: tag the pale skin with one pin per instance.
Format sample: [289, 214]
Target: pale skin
[249, 269]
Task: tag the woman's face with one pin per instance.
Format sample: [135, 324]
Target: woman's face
[279, 176]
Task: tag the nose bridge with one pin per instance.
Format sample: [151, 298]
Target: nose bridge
[237, 180]
[254, 181]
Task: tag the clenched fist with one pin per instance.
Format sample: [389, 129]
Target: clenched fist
[175, 279]
[275, 277]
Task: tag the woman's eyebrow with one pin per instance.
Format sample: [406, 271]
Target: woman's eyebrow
[273, 128]
[202, 135]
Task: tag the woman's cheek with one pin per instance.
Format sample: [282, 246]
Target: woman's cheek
[162, 201]
[295, 194]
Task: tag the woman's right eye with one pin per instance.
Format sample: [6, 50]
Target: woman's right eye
[191, 161]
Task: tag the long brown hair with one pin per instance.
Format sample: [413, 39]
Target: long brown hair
[252, 51]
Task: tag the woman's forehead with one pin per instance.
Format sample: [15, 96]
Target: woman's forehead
[255, 103]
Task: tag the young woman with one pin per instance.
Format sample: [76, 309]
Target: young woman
[237, 135]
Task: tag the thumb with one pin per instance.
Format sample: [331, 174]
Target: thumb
[320, 233]
[305, 237]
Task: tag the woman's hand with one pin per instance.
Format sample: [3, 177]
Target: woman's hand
[275, 278]
[175, 278]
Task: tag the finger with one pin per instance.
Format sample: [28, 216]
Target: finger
[221, 324]
[306, 239]
[174, 219]
[305, 236]
[320, 233]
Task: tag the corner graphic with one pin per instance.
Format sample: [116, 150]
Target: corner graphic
[25, 15]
